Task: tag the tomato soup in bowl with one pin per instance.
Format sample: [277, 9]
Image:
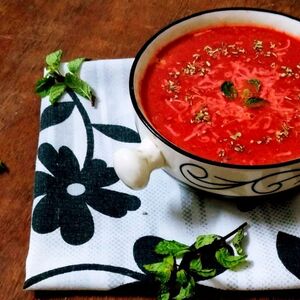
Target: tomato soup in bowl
[217, 98]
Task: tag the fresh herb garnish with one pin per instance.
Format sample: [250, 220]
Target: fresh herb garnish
[256, 83]
[3, 167]
[54, 83]
[237, 242]
[228, 90]
[178, 280]
[254, 102]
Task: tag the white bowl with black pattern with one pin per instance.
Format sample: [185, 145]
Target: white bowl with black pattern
[134, 166]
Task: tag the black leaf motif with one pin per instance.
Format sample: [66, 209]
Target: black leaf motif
[55, 114]
[118, 133]
[288, 249]
[144, 253]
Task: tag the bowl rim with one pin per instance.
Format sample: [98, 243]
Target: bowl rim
[152, 128]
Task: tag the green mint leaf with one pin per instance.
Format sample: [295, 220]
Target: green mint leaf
[162, 270]
[43, 86]
[53, 61]
[173, 248]
[237, 242]
[254, 102]
[3, 167]
[181, 277]
[204, 240]
[56, 92]
[227, 260]
[187, 291]
[228, 90]
[74, 65]
[78, 86]
[164, 296]
[207, 272]
[164, 293]
[256, 83]
[196, 265]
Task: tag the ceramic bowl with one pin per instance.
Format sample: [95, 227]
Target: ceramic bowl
[134, 166]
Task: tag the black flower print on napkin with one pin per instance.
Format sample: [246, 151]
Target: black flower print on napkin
[69, 192]
[288, 250]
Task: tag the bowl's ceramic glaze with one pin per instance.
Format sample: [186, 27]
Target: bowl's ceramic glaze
[135, 166]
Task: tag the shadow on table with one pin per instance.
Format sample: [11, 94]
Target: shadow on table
[245, 204]
[148, 290]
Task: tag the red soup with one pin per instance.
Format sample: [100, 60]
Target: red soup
[229, 94]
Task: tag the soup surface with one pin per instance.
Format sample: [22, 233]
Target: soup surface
[229, 94]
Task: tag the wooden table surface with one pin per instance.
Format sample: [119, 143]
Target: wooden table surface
[96, 29]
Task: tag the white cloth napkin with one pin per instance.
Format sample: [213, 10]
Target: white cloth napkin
[89, 231]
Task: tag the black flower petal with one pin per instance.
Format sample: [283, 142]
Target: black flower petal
[76, 222]
[144, 251]
[62, 164]
[67, 164]
[288, 250]
[112, 203]
[97, 174]
[43, 183]
[47, 155]
[45, 217]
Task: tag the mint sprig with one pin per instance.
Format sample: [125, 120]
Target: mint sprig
[182, 265]
[54, 83]
[173, 248]
[74, 65]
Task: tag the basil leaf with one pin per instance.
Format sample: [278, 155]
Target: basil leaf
[256, 83]
[53, 60]
[204, 240]
[78, 86]
[74, 65]
[43, 86]
[254, 102]
[162, 270]
[227, 260]
[171, 248]
[237, 242]
[56, 92]
[229, 90]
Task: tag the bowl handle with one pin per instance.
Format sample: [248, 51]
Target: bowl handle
[134, 166]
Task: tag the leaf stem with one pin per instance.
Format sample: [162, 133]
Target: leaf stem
[88, 127]
[224, 238]
[194, 253]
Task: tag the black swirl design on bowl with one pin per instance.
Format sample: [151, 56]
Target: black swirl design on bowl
[271, 183]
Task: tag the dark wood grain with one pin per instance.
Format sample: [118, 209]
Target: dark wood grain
[96, 29]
